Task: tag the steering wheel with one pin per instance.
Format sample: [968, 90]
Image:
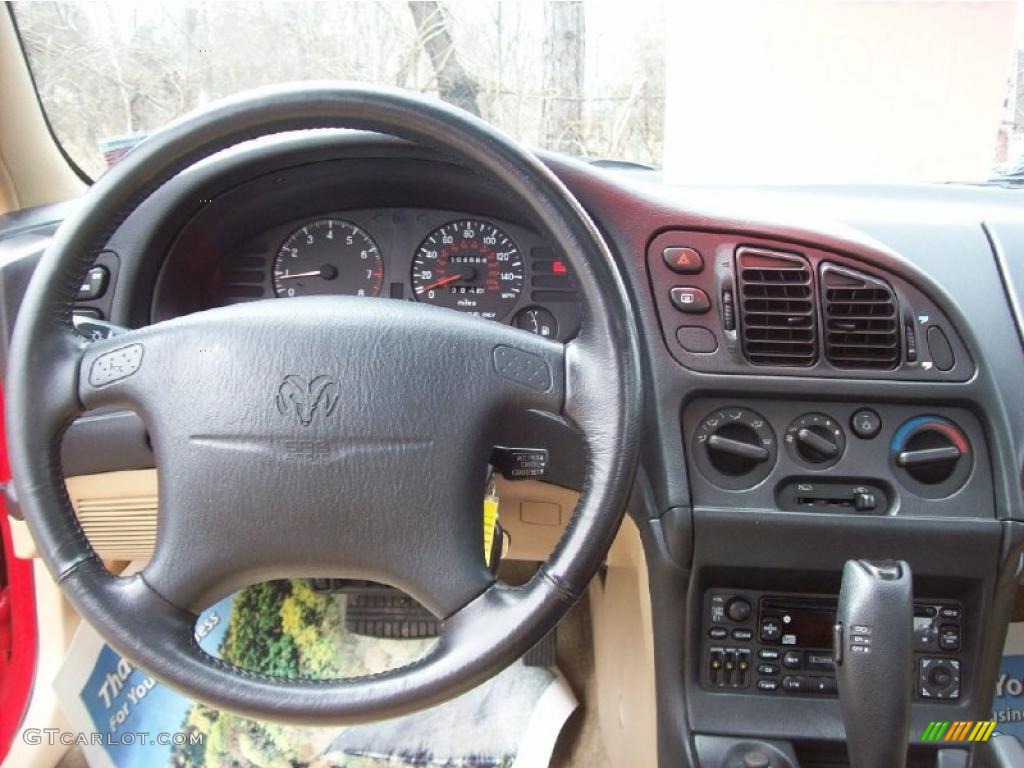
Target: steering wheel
[401, 401]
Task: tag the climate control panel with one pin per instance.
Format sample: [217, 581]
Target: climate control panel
[851, 458]
[781, 643]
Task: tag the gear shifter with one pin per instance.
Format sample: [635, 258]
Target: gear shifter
[874, 662]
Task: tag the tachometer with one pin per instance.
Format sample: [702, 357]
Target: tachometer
[328, 256]
[471, 266]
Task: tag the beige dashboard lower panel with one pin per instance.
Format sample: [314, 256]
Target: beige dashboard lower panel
[118, 512]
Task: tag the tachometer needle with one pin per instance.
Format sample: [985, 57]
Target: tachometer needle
[327, 272]
[438, 283]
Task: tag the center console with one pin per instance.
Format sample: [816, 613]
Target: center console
[825, 399]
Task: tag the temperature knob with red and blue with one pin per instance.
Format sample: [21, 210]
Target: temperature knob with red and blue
[931, 455]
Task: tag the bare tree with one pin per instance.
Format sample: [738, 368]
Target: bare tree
[454, 83]
[107, 69]
[562, 117]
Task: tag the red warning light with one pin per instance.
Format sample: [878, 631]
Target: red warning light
[559, 268]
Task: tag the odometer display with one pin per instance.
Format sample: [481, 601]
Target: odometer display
[471, 266]
[330, 256]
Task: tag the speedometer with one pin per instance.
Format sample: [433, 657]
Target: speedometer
[469, 265]
[328, 256]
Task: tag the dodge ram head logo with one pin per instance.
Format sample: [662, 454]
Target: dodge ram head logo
[302, 398]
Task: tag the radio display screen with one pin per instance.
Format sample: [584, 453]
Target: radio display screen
[804, 623]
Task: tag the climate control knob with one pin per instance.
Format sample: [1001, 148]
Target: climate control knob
[816, 439]
[734, 448]
[931, 456]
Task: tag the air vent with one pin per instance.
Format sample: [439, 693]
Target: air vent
[776, 308]
[861, 319]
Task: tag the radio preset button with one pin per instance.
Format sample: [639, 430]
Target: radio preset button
[950, 612]
[794, 683]
[742, 634]
[821, 662]
[825, 685]
[792, 659]
[767, 685]
[718, 633]
[770, 654]
[768, 669]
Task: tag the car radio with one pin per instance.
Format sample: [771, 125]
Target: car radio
[780, 643]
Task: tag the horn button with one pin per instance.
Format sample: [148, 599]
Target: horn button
[313, 437]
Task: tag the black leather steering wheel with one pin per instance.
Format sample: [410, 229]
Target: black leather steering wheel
[393, 491]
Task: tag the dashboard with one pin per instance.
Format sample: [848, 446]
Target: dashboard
[486, 267]
[830, 373]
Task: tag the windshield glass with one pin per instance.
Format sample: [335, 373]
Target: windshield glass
[746, 92]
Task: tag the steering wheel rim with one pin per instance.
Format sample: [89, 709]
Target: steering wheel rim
[595, 381]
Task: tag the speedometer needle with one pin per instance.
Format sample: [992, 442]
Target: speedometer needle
[439, 283]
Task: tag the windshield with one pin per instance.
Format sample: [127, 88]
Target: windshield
[745, 92]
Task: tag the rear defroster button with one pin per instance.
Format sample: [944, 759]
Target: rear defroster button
[691, 300]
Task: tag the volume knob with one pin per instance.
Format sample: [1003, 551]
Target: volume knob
[738, 609]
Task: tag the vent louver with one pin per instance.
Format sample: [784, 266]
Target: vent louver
[861, 319]
[777, 324]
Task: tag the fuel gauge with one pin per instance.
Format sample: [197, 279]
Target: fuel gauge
[537, 320]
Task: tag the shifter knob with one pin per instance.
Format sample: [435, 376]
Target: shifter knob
[874, 663]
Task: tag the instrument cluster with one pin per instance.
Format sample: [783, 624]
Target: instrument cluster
[494, 269]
